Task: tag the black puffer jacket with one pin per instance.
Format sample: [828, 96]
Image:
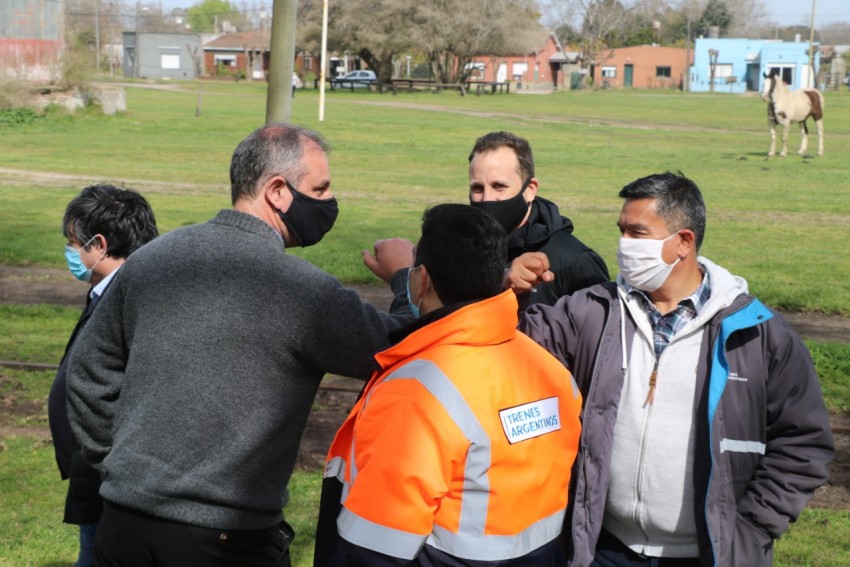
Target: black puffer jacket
[574, 264]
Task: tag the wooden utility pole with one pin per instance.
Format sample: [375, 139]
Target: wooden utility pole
[324, 62]
[687, 81]
[814, 77]
[281, 61]
[712, 68]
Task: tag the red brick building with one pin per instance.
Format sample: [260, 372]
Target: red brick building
[239, 54]
[548, 65]
[233, 54]
[641, 67]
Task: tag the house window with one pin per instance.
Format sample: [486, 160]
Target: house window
[308, 62]
[476, 70]
[609, 72]
[518, 71]
[721, 70]
[168, 61]
[784, 71]
[662, 72]
[225, 60]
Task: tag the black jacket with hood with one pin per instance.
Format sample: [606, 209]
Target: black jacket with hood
[574, 264]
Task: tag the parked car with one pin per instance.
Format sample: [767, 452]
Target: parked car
[355, 79]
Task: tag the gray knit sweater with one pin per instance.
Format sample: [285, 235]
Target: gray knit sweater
[190, 387]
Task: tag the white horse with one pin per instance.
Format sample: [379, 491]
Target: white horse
[785, 106]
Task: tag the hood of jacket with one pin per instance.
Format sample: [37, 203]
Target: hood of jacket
[485, 322]
[724, 289]
[545, 219]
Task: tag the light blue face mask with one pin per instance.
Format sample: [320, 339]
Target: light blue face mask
[75, 262]
[414, 307]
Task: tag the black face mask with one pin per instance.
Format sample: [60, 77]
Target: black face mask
[508, 213]
[308, 219]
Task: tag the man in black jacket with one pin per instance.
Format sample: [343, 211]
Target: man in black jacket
[103, 225]
[502, 182]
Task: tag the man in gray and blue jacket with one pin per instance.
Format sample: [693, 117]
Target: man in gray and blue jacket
[704, 428]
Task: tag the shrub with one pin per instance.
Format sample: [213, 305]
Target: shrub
[18, 116]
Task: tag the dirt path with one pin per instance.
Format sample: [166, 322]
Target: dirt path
[28, 286]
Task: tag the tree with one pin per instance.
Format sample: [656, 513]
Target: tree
[749, 18]
[376, 30]
[206, 15]
[716, 14]
[448, 32]
[599, 20]
[453, 32]
[836, 33]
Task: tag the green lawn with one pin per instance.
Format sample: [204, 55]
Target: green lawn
[774, 221]
[780, 223]
[32, 499]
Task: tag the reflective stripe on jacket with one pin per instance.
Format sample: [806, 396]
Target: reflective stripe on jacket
[762, 432]
[460, 447]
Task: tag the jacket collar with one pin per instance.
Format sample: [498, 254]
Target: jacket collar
[544, 220]
[477, 323]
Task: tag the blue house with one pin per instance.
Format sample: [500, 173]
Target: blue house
[741, 63]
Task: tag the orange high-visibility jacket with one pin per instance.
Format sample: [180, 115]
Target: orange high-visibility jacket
[461, 445]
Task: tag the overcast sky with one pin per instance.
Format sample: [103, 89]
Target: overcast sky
[793, 12]
[784, 12]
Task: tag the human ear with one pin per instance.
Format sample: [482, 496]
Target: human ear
[424, 281]
[531, 190]
[277, 193]
[687, 242]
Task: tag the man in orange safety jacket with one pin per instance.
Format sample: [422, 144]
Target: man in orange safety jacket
[460, 447]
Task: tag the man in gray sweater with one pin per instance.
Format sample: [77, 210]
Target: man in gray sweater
[190, 387]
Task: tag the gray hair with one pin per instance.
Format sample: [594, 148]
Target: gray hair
[274, 149]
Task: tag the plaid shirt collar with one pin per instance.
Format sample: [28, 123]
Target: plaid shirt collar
[664, 327]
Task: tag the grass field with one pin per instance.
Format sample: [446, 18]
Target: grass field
[775, 221]
[781, 223]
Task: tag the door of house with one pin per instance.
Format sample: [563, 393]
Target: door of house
[628, 75]
[752, 76]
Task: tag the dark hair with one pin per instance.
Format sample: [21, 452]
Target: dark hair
[520, 146]
[679, 204]
[274, 149]
[465, 251]
[122, 216]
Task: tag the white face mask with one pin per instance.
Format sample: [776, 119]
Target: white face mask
[641, 264]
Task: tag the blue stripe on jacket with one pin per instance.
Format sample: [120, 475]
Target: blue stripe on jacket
[753, 314]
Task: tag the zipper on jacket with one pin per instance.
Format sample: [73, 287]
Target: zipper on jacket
[653, 378]
[639, 478]
[585, 456]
